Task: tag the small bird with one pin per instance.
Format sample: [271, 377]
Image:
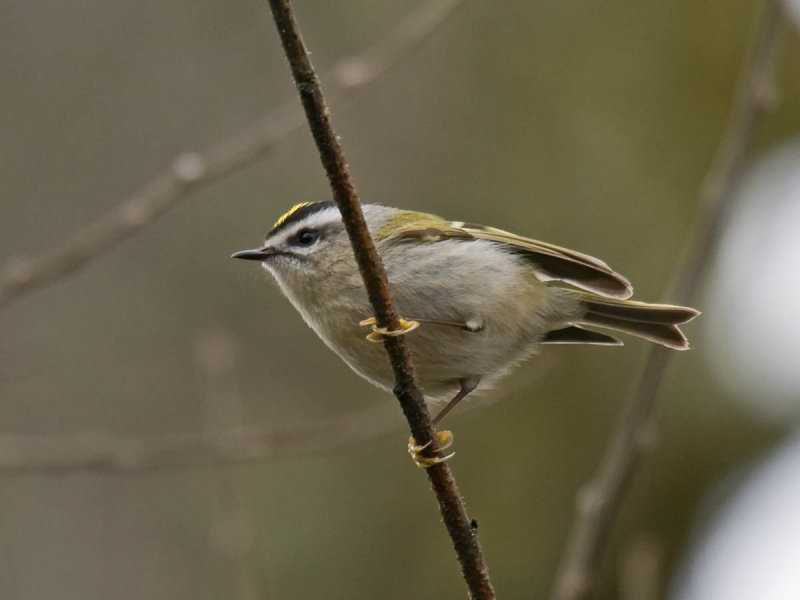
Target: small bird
[479, 300]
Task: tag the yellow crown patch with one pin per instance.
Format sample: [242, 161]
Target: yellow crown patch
[289, 213]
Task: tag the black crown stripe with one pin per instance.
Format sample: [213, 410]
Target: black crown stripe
[297, 213]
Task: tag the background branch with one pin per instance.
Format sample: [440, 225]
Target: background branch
[600, 502]
[464, 537]
[108, 452]
[195, 169]
[40, 452]
[232, 528]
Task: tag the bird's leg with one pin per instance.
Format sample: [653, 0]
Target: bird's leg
[444, 438]
[473, 325]
[467, 386]
[408, 325]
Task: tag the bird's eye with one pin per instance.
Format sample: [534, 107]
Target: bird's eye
[306, 237]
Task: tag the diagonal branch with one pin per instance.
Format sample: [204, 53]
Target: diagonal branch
[465, 540]
[600, 503]
[195, 169]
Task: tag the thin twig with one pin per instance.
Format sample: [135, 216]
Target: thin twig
[27, 453]
[192, 170]
[464, 537]
[23, 453]
[601, 500]
[231, 535]
[36, 453]
[640, 568]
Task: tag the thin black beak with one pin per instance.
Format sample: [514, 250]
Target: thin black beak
[255, 254]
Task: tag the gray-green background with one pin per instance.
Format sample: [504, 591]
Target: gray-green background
[590, 125]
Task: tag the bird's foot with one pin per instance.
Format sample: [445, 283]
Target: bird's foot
[444, 439]
[378, 333]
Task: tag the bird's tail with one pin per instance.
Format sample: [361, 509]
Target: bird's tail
[654, 322]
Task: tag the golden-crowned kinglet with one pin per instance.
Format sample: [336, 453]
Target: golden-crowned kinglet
[483, 297]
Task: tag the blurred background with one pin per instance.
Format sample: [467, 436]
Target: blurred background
[589, 125]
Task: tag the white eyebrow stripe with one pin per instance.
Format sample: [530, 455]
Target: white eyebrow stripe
[320, 218]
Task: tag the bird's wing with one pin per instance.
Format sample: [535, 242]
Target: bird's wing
[550, 262]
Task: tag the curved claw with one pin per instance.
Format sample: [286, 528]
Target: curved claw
[444, 440]
[378, 333]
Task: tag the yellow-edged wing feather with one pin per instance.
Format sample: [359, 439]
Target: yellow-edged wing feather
[550, 262]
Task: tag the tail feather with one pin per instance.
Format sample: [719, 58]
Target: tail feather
[579, 335]
[660, 333]
[643, 312]
[654, 322]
